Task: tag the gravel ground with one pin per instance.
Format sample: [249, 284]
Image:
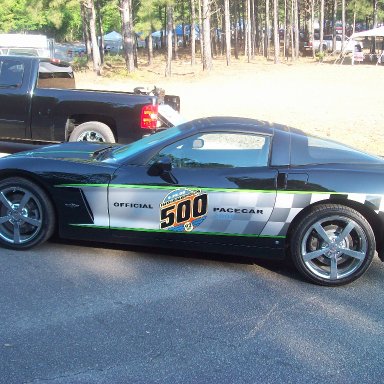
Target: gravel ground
[342, 102]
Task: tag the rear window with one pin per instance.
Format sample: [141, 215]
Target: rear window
[55, 75]
[11, 74]
[314, 150]
[23, 52]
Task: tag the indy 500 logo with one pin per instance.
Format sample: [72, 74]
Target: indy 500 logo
[183, 210]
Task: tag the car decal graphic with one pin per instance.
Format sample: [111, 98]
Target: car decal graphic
[205, 189]
[183, 210]
[236, 212]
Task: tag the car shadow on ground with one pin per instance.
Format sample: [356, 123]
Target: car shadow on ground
[281, 267]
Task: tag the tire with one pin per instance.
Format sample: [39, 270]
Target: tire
[93, 131]
[26, 214]
[333, 245]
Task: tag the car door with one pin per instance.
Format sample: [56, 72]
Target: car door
[219, 185]
[14, 98]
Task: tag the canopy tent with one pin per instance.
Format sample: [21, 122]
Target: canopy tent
[379, 31]
[113, 42]
[374, 32]
[113, 36]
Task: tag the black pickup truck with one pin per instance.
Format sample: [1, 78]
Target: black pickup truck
[39, 104]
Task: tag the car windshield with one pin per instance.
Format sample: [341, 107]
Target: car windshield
[136, 147]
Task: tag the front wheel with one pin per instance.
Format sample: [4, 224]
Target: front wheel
[333, 245]
[26, 214]
[93, 131]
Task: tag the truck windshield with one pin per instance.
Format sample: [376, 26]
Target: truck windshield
[136, 147]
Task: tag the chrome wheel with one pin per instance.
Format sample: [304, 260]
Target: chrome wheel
[20, 215]
[334, 248]
[332, 244]
[91, 136]
[93, 131]
[27, 217]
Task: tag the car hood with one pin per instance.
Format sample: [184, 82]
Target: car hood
[73, 151]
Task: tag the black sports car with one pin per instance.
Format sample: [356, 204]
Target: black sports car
[227, 185]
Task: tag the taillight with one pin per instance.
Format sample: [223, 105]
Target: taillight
[148, 118]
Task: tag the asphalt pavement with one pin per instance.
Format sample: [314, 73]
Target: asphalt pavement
[75, 313]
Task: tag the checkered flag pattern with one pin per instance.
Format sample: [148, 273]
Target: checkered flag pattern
[288, 205]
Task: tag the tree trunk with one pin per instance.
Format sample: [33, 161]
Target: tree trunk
[201, 29]
[90, 9]
[321, 26]
[334, 16]
[313, 25]
[175, 46]
[207, 53]
[276, 40]
[150, 49]
[193, 33]
[257, 29]
[285, 43]
[293, 48]
[253, 29]
[248, 35]
[168, 68]
[374, 24]
[128, 38]
[86, 34]
[100, 30]
[227, 32]
[267, 29]
[297, 29]
[236, 28]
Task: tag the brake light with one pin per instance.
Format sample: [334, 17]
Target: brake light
[148, 118]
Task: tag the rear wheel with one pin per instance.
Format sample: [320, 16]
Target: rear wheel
[333, 245]
[93, 131]
[26, 214]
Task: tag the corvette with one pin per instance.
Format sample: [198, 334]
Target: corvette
[222, 184]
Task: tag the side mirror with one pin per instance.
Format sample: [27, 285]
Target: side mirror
[160, 167]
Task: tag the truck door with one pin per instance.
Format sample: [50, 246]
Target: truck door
[14, 98]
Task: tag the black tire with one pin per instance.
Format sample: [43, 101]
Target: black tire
[333, 245]
[27, 216]
[93, 131]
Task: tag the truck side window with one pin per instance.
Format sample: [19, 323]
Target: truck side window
[11, 74]
[55, 75]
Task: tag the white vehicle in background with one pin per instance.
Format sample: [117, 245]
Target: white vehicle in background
[26, 45]
[350, 45]
[308, 44]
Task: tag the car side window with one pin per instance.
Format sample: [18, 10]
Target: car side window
[308, 150]
[11, 74]
[218, 150]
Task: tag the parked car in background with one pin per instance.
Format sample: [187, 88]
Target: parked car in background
[307, 44]
[350, 45]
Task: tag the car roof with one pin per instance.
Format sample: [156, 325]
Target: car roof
[242, 123]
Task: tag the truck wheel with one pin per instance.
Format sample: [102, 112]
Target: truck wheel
[27, 217]
[333, 245]
[93, 131]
